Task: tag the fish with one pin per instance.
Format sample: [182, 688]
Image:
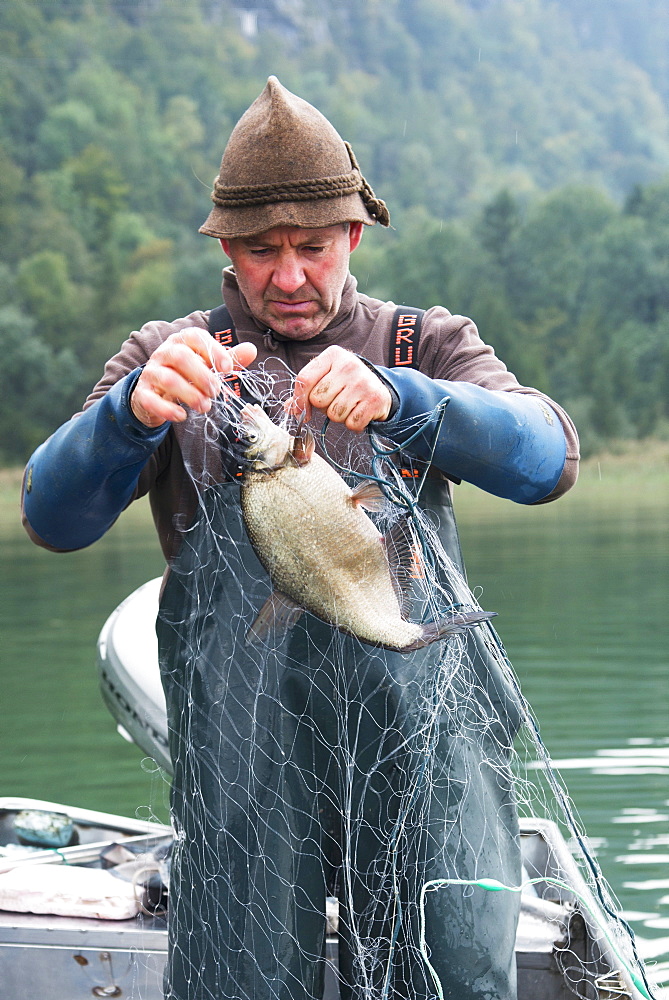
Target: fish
[322, 551]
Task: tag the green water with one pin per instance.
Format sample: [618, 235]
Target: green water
[582, 589]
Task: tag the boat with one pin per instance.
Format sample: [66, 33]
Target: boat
[564, 946]
[74, 957]
[70, 957]
[127, 658]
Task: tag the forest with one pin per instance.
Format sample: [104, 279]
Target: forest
[521, 145]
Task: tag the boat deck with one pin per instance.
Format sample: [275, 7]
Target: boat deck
[75, 958]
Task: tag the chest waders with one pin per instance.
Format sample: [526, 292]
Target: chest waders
[316, 765]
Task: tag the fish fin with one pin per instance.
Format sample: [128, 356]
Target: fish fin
[368, 495]
[277, 615]
[404, 560]
[304, 444]
[451, 624]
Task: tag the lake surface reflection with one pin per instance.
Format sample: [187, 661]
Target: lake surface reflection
[582, 590]
[582, 587]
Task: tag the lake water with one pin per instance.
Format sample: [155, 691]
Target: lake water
[582, 589]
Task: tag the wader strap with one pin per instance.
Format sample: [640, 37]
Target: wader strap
[222, 329]
[404, 338]
[221, 326]
[405, 334]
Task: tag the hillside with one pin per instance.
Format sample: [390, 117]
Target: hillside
[521, 145]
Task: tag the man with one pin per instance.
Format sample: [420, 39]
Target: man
[307, 766]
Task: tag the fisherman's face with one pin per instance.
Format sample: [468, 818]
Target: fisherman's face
[292, 278]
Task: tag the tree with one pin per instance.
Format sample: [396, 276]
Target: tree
[55, 303]
[499, 222]
[101, 188]
[39, 386]
[11, 191]
[548, 252]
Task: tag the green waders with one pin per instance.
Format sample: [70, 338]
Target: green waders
[320, 765]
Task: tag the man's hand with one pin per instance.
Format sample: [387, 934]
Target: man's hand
[184, 371]
[340, 385]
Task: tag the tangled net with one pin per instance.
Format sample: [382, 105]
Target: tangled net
[314, 773]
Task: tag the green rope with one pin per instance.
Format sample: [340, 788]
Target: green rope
[493, 885]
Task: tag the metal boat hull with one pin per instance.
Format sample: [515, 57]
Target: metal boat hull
[68, 958]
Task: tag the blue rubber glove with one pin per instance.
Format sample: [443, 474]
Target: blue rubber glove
[78, 482]
[510, 444]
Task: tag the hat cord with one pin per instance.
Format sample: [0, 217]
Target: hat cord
[299, 190]
[336, 186]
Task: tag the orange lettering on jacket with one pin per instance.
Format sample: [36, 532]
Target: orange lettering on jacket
[404, 339]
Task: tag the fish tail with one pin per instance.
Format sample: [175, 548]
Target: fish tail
[451, 624]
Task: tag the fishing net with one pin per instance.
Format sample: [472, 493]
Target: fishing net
[346, 816]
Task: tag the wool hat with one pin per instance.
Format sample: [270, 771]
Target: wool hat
[286, 165]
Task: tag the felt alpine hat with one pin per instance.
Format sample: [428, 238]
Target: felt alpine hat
[286, 165]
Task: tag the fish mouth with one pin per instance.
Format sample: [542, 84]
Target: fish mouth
[266, 446]
[237, 441]
[242, 445]
[249, 425]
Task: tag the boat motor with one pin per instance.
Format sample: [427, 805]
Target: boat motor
[129, 674]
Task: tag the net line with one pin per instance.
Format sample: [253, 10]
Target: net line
[313, 767]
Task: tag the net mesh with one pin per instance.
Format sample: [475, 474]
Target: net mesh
[346, 816]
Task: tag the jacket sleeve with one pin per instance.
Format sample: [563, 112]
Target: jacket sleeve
[510, 444]
[77, 483]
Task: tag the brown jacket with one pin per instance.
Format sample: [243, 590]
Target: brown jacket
[450, 348]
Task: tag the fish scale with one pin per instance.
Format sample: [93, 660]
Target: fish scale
[321, 550]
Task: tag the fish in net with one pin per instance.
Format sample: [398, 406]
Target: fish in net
[316, 759]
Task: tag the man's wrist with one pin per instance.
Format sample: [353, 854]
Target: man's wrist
[394, 397]
[140, 414]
